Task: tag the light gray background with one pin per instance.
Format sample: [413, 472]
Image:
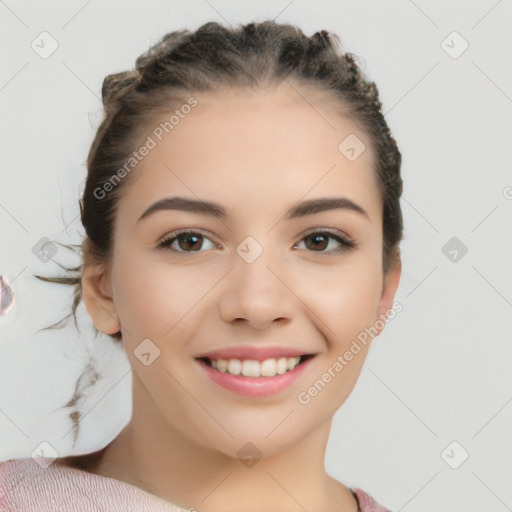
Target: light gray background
[439, 373]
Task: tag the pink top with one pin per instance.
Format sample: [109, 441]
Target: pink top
[27, 485]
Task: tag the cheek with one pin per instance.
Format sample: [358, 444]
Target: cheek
[355, 305]
[347, 306]
[152, 296]
[345, 297]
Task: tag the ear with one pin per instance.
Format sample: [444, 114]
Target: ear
[97, 297]
[390, 286]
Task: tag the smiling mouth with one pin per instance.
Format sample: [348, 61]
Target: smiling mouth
[252, 368]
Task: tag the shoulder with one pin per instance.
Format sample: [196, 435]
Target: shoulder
[47, 485]
[367, 503]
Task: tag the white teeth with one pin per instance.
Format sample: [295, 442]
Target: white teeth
[282, 365]
[222, 365]
[268, 368]
[252, 368]
[235, 366]
[290, 364]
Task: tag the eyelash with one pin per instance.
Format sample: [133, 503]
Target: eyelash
[346, 244]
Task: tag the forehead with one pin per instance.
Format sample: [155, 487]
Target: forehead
[247, 145]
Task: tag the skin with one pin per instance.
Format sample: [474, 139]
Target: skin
[251, 152]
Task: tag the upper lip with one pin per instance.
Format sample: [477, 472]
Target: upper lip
[256, 353]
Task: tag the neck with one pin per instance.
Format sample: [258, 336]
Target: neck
[175, 467]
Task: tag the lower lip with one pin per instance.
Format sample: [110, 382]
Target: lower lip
[255, 386]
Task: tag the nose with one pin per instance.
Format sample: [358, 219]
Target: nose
[258, 294]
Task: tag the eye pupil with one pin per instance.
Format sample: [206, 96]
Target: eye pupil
[187, 238]
[317, 237]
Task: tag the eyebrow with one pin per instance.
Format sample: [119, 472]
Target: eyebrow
[302, 209]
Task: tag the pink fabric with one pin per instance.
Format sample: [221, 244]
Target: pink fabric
[46, 486]
[25, 486]
[367, 503]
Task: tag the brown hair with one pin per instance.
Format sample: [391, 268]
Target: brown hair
[250, 56]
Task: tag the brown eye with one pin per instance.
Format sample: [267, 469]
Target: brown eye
[319, 241]
[186, 241]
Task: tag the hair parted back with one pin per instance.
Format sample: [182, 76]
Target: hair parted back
[255, 55]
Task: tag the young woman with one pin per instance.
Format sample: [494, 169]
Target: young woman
[242, 225]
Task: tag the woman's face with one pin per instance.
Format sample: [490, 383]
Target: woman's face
[254, 283]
